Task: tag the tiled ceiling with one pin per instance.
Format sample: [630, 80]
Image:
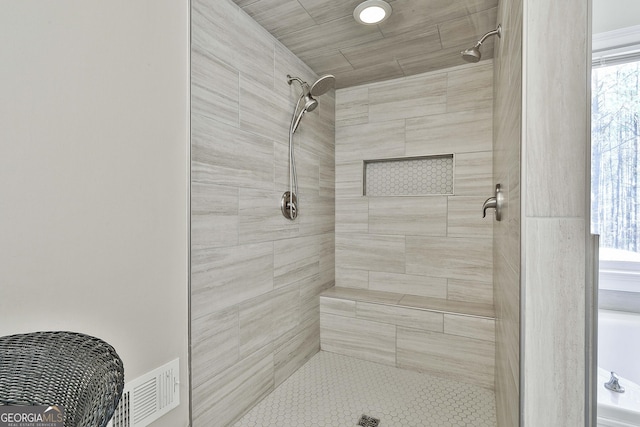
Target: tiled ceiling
[419, 36]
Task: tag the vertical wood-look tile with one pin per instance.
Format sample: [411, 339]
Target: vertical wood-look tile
[214, 88]
[352, 106]
[215, 344]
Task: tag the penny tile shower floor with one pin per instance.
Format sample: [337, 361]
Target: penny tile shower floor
[332, 390]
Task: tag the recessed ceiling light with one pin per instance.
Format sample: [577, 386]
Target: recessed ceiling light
[371, 12]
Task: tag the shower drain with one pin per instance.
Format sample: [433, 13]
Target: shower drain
[367, 421]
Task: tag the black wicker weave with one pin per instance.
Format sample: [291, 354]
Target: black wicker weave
[81, 373]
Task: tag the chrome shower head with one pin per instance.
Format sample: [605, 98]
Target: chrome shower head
[323, 85]
[473, 54]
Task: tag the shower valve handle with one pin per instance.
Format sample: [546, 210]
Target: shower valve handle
[494, 202]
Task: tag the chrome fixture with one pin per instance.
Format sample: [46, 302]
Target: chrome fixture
[473, 54]
[613, 384]
[372, 12]
[306, 102]
[494, 202]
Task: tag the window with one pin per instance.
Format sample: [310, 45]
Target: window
[615, 166]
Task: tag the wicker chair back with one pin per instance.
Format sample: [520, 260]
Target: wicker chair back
[81, 373]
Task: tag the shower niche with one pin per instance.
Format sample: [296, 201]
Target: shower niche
[409, 176]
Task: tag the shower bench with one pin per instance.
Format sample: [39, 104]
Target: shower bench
[450, 339]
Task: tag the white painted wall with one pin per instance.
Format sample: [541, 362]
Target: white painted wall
[94, 175]
[609, 15]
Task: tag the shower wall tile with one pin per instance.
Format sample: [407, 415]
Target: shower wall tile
[260, 217]
[352, 215]
[286, 310]
[352, 106]
[358, 338]
[256, 276]
[310, 290]
[327, 258]
[214, 220]
[435, 287]
[351, 278]
[214, 29]
[370, 141]
[506, 160]
[470, 291]
[465, 218]
[316, 214]
[463, 131]
[424, 216]
[451, 257]
[338, 307]
[349, 179]
[255, 99]
[226, 396]
[256, 323]
[400, 316]
[474, 175]
[295, 352]
[225, 155]
[255, 59]
[295, 259]
[465, 359]
[471, 88]
[413, 96]
[470, 327]
[215, 344]
[214, 91]
[443, 112]
[223, 277]
[371, 252]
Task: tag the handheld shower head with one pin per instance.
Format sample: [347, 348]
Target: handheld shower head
[310, 103]
[473, 54]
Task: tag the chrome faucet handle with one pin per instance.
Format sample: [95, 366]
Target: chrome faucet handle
[494, 202]
[613, 384]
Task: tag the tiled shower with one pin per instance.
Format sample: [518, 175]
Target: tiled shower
[257, 277]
